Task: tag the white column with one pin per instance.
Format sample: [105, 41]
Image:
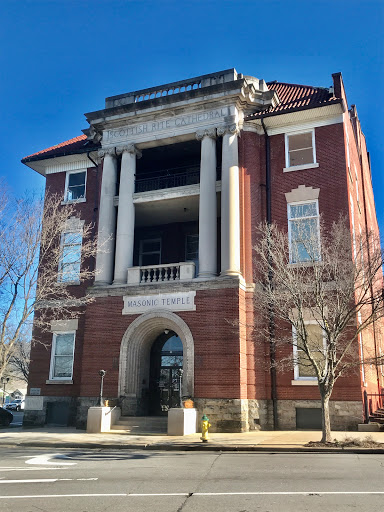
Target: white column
[126, 215]
[107, 220]
[230, 203]
[207, 204]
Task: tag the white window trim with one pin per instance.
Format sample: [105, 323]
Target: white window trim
[59, 273]
[353, 226]
[312, 165]
[153, 252]
[296, 375]
[294, 203]
[347, 143]
[53, 350]
[361, 346]
[82, 199]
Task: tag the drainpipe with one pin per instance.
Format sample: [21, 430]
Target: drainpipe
[96, 202]
[271, 324]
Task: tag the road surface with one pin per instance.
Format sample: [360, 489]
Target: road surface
[120, 480]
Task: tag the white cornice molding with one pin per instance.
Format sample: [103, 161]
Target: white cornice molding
[76, 165]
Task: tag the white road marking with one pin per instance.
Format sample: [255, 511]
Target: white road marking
[29, 469]
[44, 460]
[162, 494]
[45, 480]
[258, 493]
[60, 496]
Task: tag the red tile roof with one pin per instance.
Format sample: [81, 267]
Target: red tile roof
[69, 146]
[295, 97]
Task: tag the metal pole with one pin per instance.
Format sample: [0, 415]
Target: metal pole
[180, 375]
[4, 380]
[101, 400]
[366, 410]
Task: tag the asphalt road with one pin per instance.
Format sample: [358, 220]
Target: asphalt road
[92, 481]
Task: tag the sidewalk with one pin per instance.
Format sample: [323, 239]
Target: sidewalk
[250, 441]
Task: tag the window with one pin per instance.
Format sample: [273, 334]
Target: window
[353, 226]
[361, 349]
[357, 188]
[69, 267]
[150, 252]
[348, 155]
[75, 186]
[300, 149]
[63, 346]
[303, 232]
[303, 368]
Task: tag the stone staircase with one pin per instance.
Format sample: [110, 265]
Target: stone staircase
[142, 424]
[377, 417]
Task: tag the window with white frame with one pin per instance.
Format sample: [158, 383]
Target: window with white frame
[315, 344]
[75, 184]
[361, 349]
[348, 155]
[300, 149]
[70, 259]
[353, 227]
[304, 231]
[62, 355]
[357, 185]
[150, 252]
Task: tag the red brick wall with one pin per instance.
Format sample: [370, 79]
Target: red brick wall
[330, 177]
[214, 328]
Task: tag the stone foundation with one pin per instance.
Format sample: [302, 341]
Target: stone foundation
[260, 415]
[225, 415]
[344, 415]
[39, 411]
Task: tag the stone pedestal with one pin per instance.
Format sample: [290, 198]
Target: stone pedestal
[182, 422]
[368, 427]
[100, 419]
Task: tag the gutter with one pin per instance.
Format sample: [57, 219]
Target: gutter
[271, 323]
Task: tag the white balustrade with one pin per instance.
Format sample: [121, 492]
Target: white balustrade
[170, 272]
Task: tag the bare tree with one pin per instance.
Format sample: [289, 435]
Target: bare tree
[320, 290]
[45, 248]
[18, 364]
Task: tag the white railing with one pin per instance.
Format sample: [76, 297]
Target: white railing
[166, 273]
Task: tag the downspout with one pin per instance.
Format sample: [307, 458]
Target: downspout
[96, 202]
[271, 323]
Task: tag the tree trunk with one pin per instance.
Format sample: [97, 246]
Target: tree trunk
[326, 423]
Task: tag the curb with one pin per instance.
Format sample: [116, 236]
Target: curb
[194, 447]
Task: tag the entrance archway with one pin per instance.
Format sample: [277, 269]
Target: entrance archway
[164, 373]
[135, 357]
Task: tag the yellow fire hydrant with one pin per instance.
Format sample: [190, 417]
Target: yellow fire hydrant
[204, 428]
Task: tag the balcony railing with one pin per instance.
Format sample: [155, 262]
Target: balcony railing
[166, 273]
[169, 178]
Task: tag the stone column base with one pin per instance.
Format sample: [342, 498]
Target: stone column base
[181, 422]
[101, 419]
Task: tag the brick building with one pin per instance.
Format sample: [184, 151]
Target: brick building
[174, 178]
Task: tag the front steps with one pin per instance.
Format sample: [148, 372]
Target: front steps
[142, 424]
[377, 417]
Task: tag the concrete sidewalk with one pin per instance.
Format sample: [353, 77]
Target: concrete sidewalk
[249, 441]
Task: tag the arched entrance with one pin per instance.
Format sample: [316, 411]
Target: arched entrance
[165, 373]
[137, 374]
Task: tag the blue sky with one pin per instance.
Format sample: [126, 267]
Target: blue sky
[61, 58]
